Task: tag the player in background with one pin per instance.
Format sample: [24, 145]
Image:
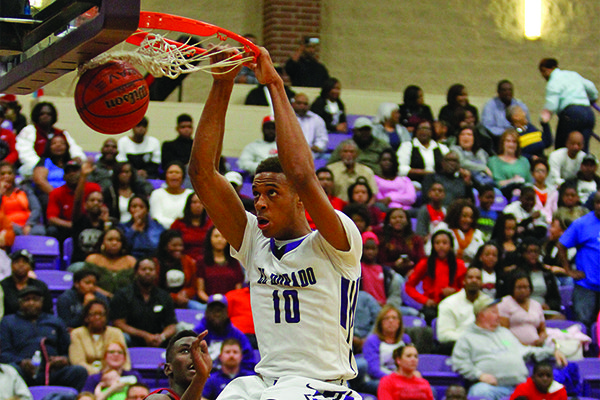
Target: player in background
[303, 283]
[188, 366]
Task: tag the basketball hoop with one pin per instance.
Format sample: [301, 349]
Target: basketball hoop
[161, 56]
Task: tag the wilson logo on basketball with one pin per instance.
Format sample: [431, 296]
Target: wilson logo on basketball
[135, 95]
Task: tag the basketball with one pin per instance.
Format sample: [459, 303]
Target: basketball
[112, 98]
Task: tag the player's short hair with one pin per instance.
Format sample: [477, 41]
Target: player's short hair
[270, 164]
[175, 338]
[184, 118]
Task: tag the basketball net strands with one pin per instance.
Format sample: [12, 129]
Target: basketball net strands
[161, 56]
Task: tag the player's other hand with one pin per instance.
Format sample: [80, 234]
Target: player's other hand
[201, 357]
[264, 69]
[221, 53]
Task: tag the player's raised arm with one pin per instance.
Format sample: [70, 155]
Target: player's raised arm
[218, 196]
[296, 158]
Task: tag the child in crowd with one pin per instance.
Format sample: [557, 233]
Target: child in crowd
[431, 214]
[361, 193]
[487, 216]
[540, 385]
[546, 198]
[441, 273]
[529, 219]
[460, 222]
[360, 215]
[400, 248]
[569, 205]
[550, 252]
[506, 238]
[381, 282]
[486, 259]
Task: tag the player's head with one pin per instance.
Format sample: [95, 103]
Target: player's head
[543, 375]
[279, 210]
[179, 367]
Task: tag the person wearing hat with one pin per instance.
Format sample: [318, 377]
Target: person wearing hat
[34, 333]
[260, 149]
[237, 181]
[216, 321]
[303, 67]
[583, 234]
[368, 146]
[348, 169]
[586, 181]
[312, 125]
[61, 200]
[491, 357]
[22, 265]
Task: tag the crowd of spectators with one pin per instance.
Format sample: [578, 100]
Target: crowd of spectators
[424, 193]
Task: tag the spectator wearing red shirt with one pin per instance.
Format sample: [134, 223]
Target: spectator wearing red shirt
[442, 274]
[541, 385]
[8, 141]
[193, 227]
[325, 177]
[60, 202]
[240, 312]
[218, 272]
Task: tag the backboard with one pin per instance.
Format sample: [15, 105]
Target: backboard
[57, 36]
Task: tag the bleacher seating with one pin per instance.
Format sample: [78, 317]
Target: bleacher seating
[188, 316]
[437, 370]
[410, 321]
[67, 252]
[39, 392]
[45, 250]
[57, 281]
[589, 369]
[149, 362]
[564, 324]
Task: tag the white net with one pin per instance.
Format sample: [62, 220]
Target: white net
[160, 57]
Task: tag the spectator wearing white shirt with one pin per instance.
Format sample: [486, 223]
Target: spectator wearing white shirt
[422, 155]
[455, 312]
[260, 149]
[142, 151]
[565, 162]
[312, 125]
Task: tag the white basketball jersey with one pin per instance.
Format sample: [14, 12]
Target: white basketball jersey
[303, 304]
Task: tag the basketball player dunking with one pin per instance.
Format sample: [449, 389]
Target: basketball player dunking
[303, 283]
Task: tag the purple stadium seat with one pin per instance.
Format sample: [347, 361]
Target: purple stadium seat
[67, 252]
[45, 250]
[320, 163]
[409, 301]
[410, 321]
[589, 369]
[499, 202]
[149, 362]
[566, 300]
[188, 316]
[335, 139]
[437, 370]
[57, 281]
[39, 392]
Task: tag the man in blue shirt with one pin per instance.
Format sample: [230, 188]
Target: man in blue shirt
[584, 233]
[493, 116]
[568, 95]
[231, 367]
